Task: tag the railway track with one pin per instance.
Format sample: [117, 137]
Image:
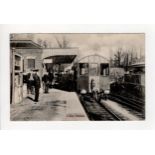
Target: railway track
[137, 107]
[97, 111]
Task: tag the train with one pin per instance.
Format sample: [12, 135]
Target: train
[132, 84]
[88, 75]
[135, 80]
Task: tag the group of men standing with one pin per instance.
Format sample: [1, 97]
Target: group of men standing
[34, 83]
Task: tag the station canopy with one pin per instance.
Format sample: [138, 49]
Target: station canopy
[60, 59]
[25, 44]
[59, 56]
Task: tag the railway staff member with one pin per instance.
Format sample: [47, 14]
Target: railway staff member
[37, 84]
[45, 80]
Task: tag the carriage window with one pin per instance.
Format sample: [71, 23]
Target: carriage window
[104, 69]
[83, 68]
[93, 69]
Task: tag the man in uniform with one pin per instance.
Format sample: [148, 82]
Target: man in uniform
[37, 84]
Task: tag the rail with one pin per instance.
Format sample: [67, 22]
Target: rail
[135, 104]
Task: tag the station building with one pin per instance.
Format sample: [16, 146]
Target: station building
[26, 55]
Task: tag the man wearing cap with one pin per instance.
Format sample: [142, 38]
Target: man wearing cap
[36, 84]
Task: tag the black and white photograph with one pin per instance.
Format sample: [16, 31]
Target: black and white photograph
[77, 76]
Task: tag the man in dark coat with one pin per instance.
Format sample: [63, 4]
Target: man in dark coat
[37, 85]
[45, 80]
[30, 83]
[50, 76]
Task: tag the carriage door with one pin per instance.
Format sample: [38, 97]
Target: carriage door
[93, 77]
[104, 76]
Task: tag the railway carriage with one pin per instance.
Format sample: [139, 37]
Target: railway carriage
[131, 87]
[92, 75]
[134, 82]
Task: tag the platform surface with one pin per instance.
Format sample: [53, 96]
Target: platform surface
[57, 105]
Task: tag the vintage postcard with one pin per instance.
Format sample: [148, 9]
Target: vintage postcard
[77, 76]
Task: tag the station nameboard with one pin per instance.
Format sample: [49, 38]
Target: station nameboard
[48, 61]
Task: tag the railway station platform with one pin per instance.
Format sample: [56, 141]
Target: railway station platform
[57, 105]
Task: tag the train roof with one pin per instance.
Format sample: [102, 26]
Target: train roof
[93, 59]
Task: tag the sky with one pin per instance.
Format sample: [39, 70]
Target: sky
[98, 43]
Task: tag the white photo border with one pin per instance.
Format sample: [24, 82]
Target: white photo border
[149, 31]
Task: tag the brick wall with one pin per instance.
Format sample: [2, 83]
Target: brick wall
[31, 54]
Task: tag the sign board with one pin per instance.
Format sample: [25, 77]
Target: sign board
[48, 61]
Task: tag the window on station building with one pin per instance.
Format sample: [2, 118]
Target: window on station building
[104, 69]
[31, 63]
[83, 68]
[18, 63]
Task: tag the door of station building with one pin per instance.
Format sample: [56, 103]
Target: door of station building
[17, 78]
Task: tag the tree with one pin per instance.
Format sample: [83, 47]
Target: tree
[64, 43]
[124, 57]
[39, 41]
[45, 45]
[118, 57]
[58, 42]
[126, 61]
